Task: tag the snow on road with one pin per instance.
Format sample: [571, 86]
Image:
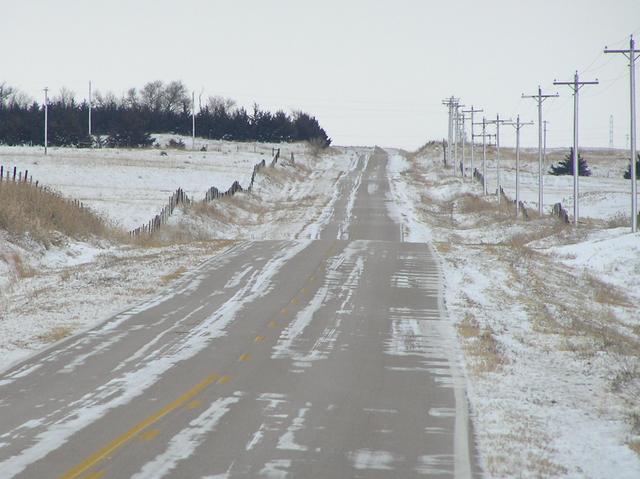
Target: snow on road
[549, 348]
[49, 293]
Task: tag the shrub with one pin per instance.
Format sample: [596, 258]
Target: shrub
[565, 167]
[176, 144]
[627, 174]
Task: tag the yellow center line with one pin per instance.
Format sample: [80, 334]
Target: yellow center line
[224, 379]
[117, 443]
[95, 475]
[259, 339]
[244, 357]
[273, 324]
[149, 435]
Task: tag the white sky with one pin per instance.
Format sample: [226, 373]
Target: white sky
[372, 72]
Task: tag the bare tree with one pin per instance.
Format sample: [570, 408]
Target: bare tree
[131, 98]
[11, 96]
[5, 92]
[65, 97]
[220, 103]
[176, 97]
[152, 95]
[19, 99]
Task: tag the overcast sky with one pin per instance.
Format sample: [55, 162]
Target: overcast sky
[371, 71]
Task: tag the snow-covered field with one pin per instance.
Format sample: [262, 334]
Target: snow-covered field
[548, 319]
[130, 186]
[604, 195]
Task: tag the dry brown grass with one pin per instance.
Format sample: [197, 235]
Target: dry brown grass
[442, 247]
[605, 293]
[634, 420]
[56, 334]
[14, 260]
[27, 209]
[316, 147]
[635, 446]
[617, 221]
[167, 278]
[481, 345]
[583, 328]
[627, 374]
[473, 204]
[468, 327]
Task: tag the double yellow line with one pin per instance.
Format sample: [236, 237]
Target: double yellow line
[117, 443]
[79, 470]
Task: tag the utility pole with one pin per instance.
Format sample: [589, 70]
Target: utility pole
[544, 144]
[497, 122]
[46, 118]
[455, 140]
[471, 112]
[518, 125]
[456, 136]
[463, 135]
[450, 103]
[89, 110]
[611, 133]
[631, 55]
[193, 120]
[540, 98]
[484, 151]
[575, 85]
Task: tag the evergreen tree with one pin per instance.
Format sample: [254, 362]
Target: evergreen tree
[156, 108]
[565, 167]
[627, 174]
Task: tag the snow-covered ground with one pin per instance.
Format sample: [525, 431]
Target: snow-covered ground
[545, 315]
[47, 294]
[602, 196]
[548, 320]
[130, 186]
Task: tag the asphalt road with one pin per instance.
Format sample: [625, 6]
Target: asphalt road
[324, 358]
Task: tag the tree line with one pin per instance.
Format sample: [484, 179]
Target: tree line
[128, 121]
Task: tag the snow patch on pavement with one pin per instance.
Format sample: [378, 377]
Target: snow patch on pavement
[184, 443]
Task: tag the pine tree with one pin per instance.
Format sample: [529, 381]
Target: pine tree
[565, 167]
[627, 174]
